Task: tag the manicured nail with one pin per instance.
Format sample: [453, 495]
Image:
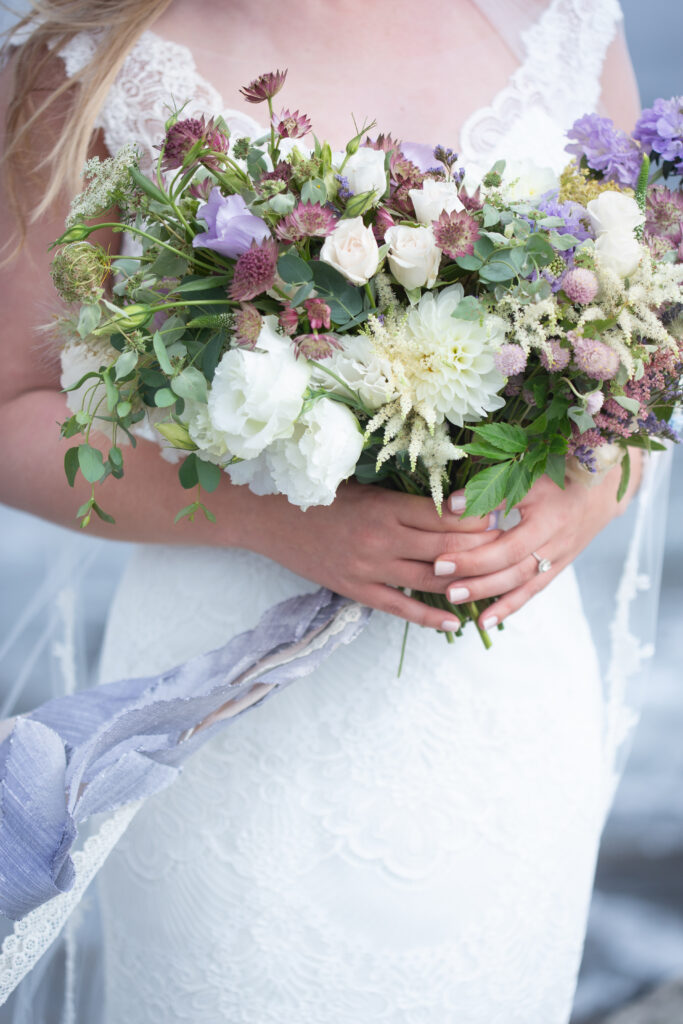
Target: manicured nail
[493, 520]
[457, 594]
[490, 622]
[450, 625]
[457, 502]
[444, 568]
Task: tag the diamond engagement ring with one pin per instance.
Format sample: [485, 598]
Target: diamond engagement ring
[543, 563]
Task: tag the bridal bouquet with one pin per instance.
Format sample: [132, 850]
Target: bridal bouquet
[294, 316]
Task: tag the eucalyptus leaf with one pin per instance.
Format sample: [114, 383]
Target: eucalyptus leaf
[71, 464]
[208, 475]
[468, 262]
[468, 308]
[161, 354]
[125, 364]
[88, 318]
[583, 419]
[314, 191]
[631, 405]
[163, 398]
[91, 463]
[190, 384]
[293, 270]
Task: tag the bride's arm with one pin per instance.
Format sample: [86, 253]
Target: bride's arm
[364, 546]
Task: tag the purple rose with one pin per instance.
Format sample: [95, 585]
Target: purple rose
[232, 228]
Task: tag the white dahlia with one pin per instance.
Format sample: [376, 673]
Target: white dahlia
[449, 363]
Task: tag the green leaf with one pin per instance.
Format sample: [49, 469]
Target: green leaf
[102, 514]
[468, 262]
[122, 409]
[506, 436]
[540, 248]
[111, 390]
[116, 456]
[625, 475]
[71, 464]
[125, 364]
[256, 163]
[164, 397]
[491, 215]
[88, 318]
[293, 270]
[314, 191]
[583, 419]
[498, 269]
[208, 474]
[487, 451]
[468, 308]
[172, 330]
[188, 511]
[487, 489]
[208, 514]
[630, 404]
[187, 472]
[190, 384]
[345, 300]
[90, 463]
[168, 264]
[483, 247]
[147, 186]
[212, 353]
[282, 203]
[161, 353]
[564, 241]
[555, 468]
[519, 483]
[201, 284]
[360, 204]
[647, 443]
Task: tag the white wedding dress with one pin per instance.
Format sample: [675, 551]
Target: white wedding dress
[364, 848]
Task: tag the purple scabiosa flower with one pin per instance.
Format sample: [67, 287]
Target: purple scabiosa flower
[315, 346]
[455, 233]
[264, 87]
[319, 314]
[288, 320]
[556, 358]
[510, 360]
[595, 359]
[307, 220]
[232, 228]
[254, 271]
[291, 125]
[580, 285]
[606, 148]
[183, 135]
[660, 129]
[247, 325]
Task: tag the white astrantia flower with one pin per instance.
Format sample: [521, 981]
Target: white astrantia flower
[447, 364]
[360, 368]
[257, 395]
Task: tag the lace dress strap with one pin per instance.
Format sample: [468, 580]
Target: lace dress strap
[557, 82]
[156, 75]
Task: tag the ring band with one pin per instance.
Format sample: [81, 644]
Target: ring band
[544, 564]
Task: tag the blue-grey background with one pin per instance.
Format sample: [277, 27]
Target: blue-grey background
[635, 936]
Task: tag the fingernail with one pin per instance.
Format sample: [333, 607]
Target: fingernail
[444, 568]
[493, 520]
[457, 502]
[450, 625]
[456, 594]
[490, 622]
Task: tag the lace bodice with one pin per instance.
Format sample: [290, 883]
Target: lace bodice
[558, 80]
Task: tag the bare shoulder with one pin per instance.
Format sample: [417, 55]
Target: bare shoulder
[619, 97]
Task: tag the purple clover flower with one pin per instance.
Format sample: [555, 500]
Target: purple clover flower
[660, 129]
[607, 149]
[232, 228]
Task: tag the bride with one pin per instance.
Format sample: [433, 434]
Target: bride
[363, 848]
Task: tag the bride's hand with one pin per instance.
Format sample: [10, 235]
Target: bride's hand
[556, 524]
[368, 543]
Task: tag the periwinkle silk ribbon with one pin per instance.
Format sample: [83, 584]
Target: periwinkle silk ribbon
[96, 750]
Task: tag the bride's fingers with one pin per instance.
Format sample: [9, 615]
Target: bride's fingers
[511, 548]
[417, 545]
[395, 602]
[421, 514]
[518, 597]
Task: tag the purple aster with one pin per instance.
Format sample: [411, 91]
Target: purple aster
[307, 220]
[607, 149]
[660, 129]
[231, 227]
[254, 271]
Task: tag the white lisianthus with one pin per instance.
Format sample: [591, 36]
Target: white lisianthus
[450, 362]
[256, 395]
[606, 457]
[365, 172]
[414, 256]
[255, 473]
[614, 218]
[212, 444]
[359, 367]
[433, 199]
[79, 358]
[323, 450]
[525, 180]
[352, 249]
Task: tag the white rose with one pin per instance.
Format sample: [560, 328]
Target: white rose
[256, 395]
[618, 251]
[358, 366]
[523, 179]
[613, 211]
[606, 457]
[413, 256]
[352, 249]
[433, 198]
[323, 450]
[365, 172]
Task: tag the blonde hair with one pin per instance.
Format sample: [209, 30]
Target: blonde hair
[30, 119]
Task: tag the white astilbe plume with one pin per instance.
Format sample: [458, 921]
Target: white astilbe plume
[532, 324]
